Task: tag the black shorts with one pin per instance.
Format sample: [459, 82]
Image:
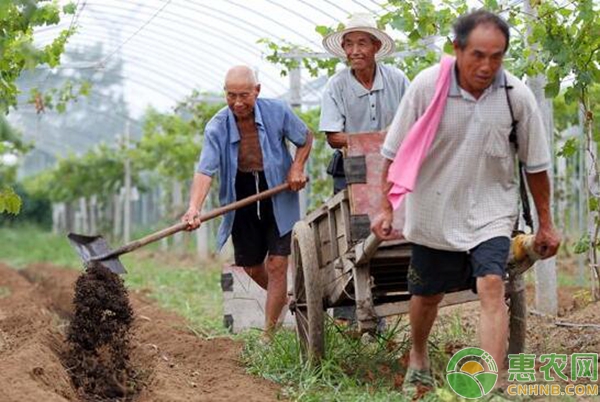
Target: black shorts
[434, 271]
[254, 231]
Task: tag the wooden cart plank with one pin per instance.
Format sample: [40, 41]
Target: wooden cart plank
[341, 286]
[331, 203]
[332, 222]
[365, 309]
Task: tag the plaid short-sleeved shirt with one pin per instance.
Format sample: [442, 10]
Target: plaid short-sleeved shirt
[467, 188]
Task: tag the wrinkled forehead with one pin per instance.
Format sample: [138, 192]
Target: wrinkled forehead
[240, 83]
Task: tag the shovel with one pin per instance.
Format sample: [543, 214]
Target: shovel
[95, 250]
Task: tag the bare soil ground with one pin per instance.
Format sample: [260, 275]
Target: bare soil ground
[547, 334]
[168, 361]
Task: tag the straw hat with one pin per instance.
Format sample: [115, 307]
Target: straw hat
[359, 23]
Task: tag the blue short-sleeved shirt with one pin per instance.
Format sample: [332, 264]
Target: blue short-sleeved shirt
[275, 122]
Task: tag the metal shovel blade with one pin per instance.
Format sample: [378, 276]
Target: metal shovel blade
[89, 247]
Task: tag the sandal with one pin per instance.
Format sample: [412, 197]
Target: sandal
[417, 383]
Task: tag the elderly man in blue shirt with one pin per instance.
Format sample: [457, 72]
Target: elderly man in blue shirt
[246, 144]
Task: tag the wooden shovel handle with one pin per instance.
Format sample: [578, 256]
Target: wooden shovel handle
[244, 202]
[151, 238]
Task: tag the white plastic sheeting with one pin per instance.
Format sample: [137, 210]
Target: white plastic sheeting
[154, 53]
[171, 47]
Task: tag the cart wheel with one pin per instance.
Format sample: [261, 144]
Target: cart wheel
[307, 292]
[517, 305]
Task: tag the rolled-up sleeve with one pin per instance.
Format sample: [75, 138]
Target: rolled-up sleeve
[208, 163]
[332, 120]
[294, 129]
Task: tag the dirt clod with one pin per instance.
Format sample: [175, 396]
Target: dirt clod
[99, 336]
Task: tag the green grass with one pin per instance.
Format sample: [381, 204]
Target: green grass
[355, 368]
[26, 245]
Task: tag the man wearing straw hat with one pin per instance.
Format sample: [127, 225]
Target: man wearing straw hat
[361, 98]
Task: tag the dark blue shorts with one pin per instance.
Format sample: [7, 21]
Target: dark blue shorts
[434, 271]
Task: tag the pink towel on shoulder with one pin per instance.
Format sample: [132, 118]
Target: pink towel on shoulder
[404, 169]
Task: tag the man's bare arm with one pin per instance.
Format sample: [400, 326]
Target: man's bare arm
[296, 177]
[340, 140]
[198, 193]
[337, 140]
[382, 224]
[547, 239]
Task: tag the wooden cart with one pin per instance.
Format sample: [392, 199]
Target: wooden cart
[338, 262]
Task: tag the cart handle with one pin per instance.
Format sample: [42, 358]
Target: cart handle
[366, 249]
